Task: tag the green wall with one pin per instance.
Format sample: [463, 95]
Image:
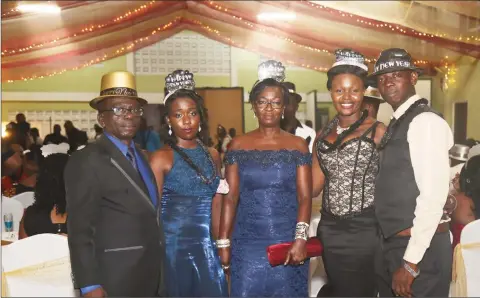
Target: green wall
[244, 69]
[82, 80]
[466, 89]
[88, 80]
[42, 105]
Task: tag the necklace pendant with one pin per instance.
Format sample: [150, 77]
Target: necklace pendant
[341, 129]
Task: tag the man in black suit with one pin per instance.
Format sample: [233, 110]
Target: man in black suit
[115, 234]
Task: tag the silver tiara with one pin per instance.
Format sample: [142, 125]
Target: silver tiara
[179, 79]
[271, 69]
[349, 57]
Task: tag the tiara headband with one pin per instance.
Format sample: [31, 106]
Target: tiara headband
[179, 79]
[271, 69]
[349, 57]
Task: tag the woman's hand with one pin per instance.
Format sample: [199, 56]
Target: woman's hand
[297, 253]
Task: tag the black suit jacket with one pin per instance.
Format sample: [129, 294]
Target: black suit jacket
[115, 233]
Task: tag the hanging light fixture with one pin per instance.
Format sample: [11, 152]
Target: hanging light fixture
[39, 7]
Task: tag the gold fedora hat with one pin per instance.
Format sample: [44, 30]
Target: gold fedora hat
[117, 84]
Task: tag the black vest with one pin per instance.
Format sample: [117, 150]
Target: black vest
[396, 190]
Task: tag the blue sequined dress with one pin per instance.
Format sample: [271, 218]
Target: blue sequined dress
[266, 215]
[193, 266]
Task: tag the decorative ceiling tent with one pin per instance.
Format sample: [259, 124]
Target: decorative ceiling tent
[46, 38]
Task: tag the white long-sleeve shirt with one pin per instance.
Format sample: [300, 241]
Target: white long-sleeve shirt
[306, 132]
[429, 138]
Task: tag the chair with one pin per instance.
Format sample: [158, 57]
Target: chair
[26, 198]
[16, 209]
[470, 246]
[37, 266]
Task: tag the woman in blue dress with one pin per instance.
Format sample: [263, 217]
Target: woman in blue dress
[187, 174]
[269, 174]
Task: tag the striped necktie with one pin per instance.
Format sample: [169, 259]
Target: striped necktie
[131, 158]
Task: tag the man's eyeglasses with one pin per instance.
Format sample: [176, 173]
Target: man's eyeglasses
[124, 111]
[262, 104]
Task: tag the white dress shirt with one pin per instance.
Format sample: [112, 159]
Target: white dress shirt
[306, 132]
[429, 138]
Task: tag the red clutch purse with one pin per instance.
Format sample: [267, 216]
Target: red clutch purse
[277, 253]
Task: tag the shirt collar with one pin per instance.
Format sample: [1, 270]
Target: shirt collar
[404, 106]
[119, 144]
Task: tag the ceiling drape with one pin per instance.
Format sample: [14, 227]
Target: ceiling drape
[87, 32]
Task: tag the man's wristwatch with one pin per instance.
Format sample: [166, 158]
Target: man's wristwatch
[410, 270]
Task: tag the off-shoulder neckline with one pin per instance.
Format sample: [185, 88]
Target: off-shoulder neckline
[267, 151]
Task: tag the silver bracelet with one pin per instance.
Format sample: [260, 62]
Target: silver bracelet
[225, 267]
[410, 270]
[301, 230]
[223, 243]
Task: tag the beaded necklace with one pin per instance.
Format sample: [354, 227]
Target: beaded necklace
[189, 161]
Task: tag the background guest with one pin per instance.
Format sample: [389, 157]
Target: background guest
[147, 138]
[458, 156]
[22, 129]
[289, 121]
[98, 131]
[467, 194]
[48, 213]
[76, 137]
[56, 137]
[371, 101]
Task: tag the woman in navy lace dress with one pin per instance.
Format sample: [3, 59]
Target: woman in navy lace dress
[345, 165]
[186, 172]
[269, 202]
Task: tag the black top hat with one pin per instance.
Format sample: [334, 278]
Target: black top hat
[391, 60]
[292, 90]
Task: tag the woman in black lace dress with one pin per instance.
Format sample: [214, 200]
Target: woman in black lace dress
[345, 164]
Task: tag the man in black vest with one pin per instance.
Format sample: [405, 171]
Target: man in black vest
[412, 186]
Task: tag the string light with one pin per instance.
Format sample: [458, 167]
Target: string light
[214, 33]
[394, 27]
[231, 42]
[262, 29]
[121, 50]
[87, 29]
[124, 49]
[219, 7]
[10, 12]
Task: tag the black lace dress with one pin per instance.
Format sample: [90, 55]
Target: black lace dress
[348, 228]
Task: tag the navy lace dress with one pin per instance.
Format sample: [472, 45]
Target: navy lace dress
[266, 215]
[193, 266]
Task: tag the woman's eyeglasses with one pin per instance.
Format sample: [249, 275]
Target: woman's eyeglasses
[262, 104]
[124, 111]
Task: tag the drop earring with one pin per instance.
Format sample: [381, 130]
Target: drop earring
[169, 129]
[199, 129]
[254, 115]
[283, 115]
